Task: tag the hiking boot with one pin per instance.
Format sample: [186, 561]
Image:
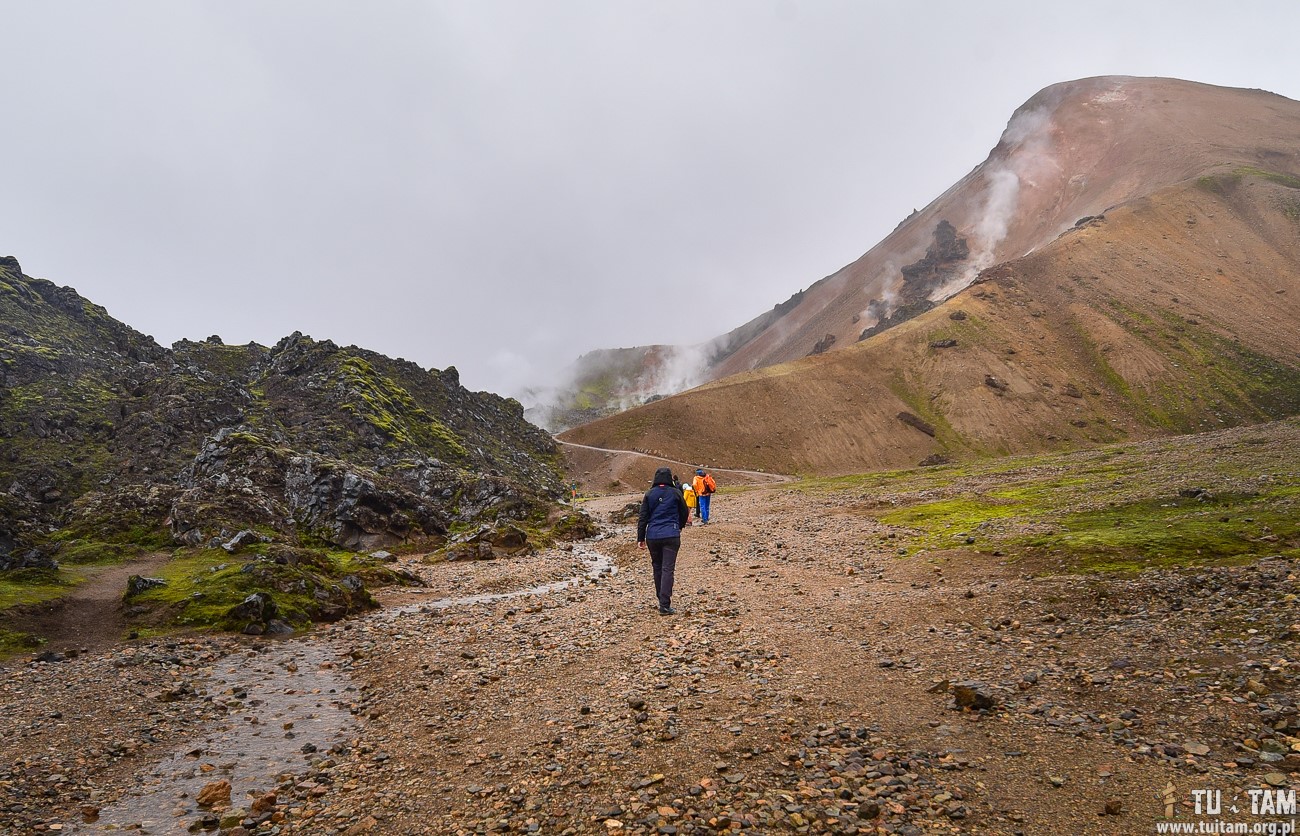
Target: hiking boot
[667, 611]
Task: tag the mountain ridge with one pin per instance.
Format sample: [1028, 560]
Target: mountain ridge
[1073, 151]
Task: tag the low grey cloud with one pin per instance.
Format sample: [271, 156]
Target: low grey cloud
[502, 186]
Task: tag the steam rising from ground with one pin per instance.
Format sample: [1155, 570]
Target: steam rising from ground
[603, 381]
[679, 367]
[888, 279]
[1023, 157]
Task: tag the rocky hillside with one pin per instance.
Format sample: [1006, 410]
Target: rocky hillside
[1173, 313]
[112, 442]
[1073, 151]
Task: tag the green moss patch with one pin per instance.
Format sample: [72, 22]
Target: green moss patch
[1218, 497]
[12, 641]
[942, 520]
[1281, 178]
[78, 552]
[1217, 378]
[203, 587]
[920, 404]
[390, 409]
[23, 587]
[1175, 532]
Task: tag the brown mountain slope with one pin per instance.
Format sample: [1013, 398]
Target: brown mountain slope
[1176, 312]
[1074, 149]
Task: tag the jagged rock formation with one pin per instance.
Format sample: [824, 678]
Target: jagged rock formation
[823, 345]
[900, 314]
[108, 436]
[941, 261]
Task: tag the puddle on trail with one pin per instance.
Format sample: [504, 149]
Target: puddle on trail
[250, 747]
[291, 682]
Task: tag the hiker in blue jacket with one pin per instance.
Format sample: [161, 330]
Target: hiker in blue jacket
[663, 514]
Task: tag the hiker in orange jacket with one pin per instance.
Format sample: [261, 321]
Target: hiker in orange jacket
[704, 486]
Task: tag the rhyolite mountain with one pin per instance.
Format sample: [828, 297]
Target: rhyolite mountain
[1074, 150]
[108, 437]
[1125, 263]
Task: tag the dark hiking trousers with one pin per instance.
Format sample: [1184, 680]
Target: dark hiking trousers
[663, 556]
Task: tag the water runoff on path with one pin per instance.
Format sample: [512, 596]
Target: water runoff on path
[287, 702]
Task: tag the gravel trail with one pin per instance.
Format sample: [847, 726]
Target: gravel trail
[815, 680]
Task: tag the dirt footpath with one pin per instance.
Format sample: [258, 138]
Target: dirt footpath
[809, 684]
[90, 616]
[815, 680]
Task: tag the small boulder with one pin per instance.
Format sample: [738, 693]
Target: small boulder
[215, 794]
[1259, 688]
[241, 539]
[575, 526]
[137, 584]
[974, 696]
[915, 422]
[256, 607]
[627, 513]
[276, 627]
[823, 345]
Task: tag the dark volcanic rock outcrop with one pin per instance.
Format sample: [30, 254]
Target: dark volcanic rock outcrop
[104, 434]
[943, 261]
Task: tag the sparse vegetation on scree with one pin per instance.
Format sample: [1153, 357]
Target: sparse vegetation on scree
[1124, 507]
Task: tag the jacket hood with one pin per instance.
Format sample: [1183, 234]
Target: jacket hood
[663, 476]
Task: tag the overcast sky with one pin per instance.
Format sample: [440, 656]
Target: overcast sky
[502, 186]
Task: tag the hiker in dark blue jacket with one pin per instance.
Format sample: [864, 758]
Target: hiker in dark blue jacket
[663, 514]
